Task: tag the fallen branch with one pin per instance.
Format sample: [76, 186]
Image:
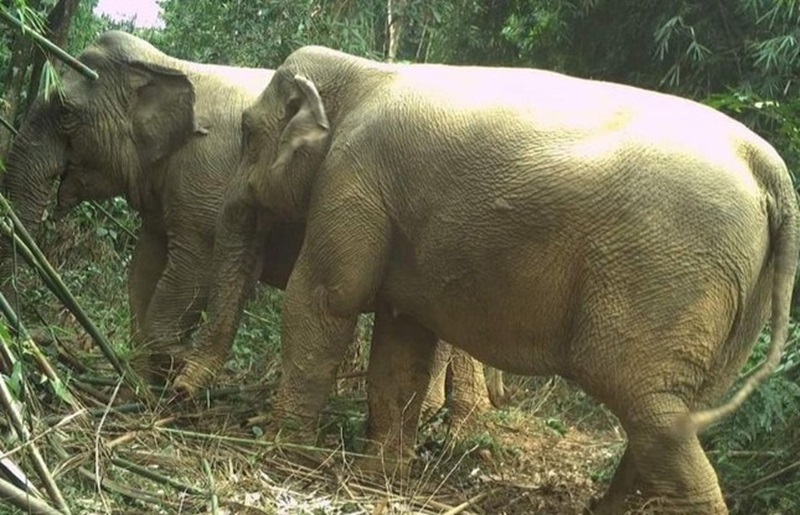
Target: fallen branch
[133, 407]
[469, 503]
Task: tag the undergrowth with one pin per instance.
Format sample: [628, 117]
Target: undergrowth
[756, 451]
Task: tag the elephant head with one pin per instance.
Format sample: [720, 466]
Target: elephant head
[287, 132]
[100, 138]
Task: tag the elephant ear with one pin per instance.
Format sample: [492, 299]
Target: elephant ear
[163, 110]
[307, 126]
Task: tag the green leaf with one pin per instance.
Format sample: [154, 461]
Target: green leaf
[61, 391]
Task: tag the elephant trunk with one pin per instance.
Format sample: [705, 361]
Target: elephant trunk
[37, 156]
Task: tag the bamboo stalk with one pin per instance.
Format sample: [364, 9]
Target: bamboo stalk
[48, 45]
[24, 435]
[114, 220]
[767, 478]
[5, 123]
[28, 256]
[155, 476]
[60, 289]
[62, 292]
[24, 500]
[12, 318]
[133, 407]
[111, 486]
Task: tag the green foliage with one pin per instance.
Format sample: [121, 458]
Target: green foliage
[776, 120]
[261, 34]
[85, 27]
[763, 438]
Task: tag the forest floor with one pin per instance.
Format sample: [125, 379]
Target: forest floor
[206, 456]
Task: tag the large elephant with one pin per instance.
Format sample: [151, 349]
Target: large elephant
[629, 240]
[164, 134]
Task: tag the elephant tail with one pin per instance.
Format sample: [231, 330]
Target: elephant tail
[782, 211]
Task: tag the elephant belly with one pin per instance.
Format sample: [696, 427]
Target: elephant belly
[509, 310]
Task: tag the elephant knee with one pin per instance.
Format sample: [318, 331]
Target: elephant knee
[340, 301]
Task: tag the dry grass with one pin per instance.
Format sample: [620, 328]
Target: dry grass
[111, 454]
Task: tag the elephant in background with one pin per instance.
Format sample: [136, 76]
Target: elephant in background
[628, 240]
[164, 134]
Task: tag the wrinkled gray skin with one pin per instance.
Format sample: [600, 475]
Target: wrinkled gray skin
[628, 240]
[164, 134]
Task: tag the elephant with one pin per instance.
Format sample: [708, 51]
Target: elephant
[164, 134]
[631, 241]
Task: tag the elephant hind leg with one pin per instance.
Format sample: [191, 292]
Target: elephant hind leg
[651, 380]
[670, 466]
[398, 376]
[470, 396]
[625, 483]
[436, 396]
[468, 392]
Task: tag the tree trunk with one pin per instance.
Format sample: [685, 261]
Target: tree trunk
[394, 25]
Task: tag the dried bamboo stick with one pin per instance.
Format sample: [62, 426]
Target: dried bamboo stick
[24, 500]
[24, 435]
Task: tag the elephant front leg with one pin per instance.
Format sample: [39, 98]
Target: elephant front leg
[314, 342]
[335, 276]
[174, 310]
[402, 357]
[147, 264]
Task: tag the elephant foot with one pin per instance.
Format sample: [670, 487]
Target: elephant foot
[462, 414]
[607, 505]
[616, 505]
[198, 371]
[155, 368]
[382, 467]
